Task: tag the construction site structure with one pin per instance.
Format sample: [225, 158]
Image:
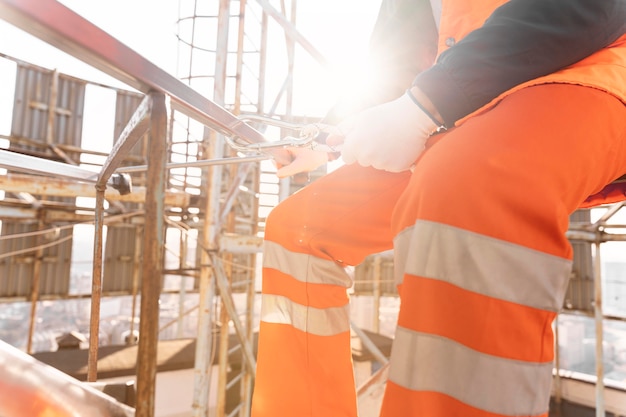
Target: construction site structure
[174, 213]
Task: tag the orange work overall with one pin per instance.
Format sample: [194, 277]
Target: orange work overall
[479, 233]
[481, 257]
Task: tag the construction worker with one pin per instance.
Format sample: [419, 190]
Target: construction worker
[513, 118]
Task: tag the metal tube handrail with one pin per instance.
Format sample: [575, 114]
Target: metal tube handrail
[33, 165]
[28, 386]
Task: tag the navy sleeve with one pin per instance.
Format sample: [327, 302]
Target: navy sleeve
[521, 40]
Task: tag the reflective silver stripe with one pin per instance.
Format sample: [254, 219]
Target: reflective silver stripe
[421, 362]
[482, 264]
[304, 267]
[318, 321]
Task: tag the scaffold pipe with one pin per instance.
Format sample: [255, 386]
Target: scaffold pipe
[31, 388]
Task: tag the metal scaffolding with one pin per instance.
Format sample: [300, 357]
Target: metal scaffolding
[174, 169]
[188, 179]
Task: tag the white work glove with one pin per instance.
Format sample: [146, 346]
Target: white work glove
[302, 160]
[388, 137]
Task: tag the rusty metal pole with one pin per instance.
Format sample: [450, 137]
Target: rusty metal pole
[34, 292]
[136, 277]
[376, 291]
[599, 321]
[182, 295]
[219, 96]
[262, 63]
[247, 384]
[291, 56]
[558, 387]
[152, 259]
[96, 286]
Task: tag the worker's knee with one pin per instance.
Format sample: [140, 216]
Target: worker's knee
[284, 220]
[279, 218]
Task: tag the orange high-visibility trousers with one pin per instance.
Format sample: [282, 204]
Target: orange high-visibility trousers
[481, 261]
[304, 365]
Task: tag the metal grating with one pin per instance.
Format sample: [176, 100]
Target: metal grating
[38, 92]
[17, 271]
[119, 259]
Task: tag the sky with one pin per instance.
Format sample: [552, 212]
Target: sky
[118, 18]
[339, 29]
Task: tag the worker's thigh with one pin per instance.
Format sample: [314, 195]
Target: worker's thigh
[343, 216]
[530, 161]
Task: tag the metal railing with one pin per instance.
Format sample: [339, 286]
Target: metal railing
[69, 32]
[29, 387]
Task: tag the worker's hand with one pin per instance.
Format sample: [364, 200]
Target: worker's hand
[389, 136]
[302, 160]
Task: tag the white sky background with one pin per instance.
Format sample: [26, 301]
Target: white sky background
[339, 29]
